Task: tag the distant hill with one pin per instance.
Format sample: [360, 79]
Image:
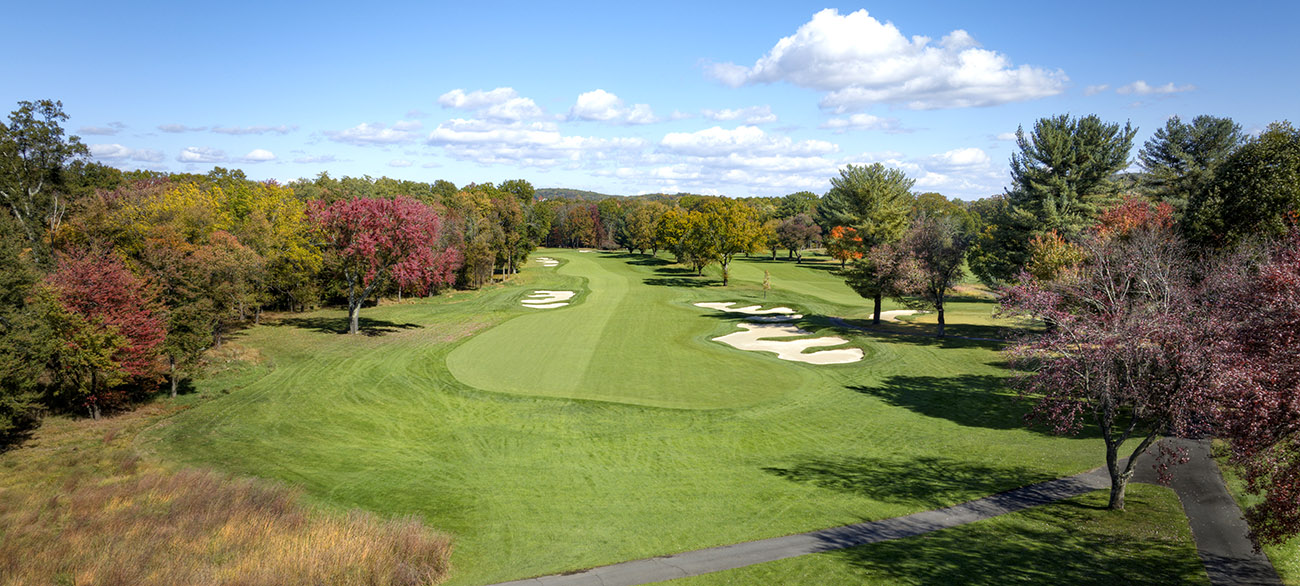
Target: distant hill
[581, 195]
[564, 193]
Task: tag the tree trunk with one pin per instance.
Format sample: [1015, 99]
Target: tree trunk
[257, 315]
[726, 274]
[354, 318]
[940, 309]
[773, 254]
[1118, 478]
[875, 318]
[171, 360]
[789, 254]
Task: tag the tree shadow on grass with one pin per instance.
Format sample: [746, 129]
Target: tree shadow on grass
[932, 482]
[339, 325]
[679, 277]
[641, 259]
[1056, 544]
[969, 400]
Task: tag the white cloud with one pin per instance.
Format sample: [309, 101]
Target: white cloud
[259, 156]
[750, 115]
[373, 134]
[959, 158]
[864, 122]
[861, 61]
[600, 105]
[177, 128]
[399, 163]
[201, 155]
[503, 103]
[408, 125]
[1142, 88]
[530, 144]
[743, 139]
[242, 130]
[1006, 136]
[111, 129]
[315, 159]
[117, 153]
[1093, 90]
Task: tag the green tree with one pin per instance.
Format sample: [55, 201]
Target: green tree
[799, 202]
[727, 227]
[1064, 171]
[875, 202]
[33, 154]
[1180, 159]
[521, 189]
[1062, 177]
[25, 342]
[1256, 190]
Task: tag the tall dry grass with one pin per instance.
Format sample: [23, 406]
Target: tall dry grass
[78, 507]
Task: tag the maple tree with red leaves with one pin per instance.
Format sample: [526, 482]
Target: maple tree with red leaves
[114, 311]
[1261, 408]
[376, 239]
[1131, 347]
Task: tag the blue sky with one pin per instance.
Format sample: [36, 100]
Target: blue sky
[740, 98]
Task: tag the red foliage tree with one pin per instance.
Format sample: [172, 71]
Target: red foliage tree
[375, 239]
[100, 289]
[1130, 347]
[1261, 410]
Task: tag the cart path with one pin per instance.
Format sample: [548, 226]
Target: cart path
[1217, 526]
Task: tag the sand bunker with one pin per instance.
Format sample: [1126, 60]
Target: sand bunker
[751, 310]
[583, 250]
[752, 338]
[548, 262]
[894, 314]
[546, 299]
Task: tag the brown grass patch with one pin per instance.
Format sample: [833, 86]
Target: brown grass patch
[79, 506]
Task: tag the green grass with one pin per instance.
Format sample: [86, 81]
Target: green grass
[1285, 556]
[595, 466]
[1075, 541]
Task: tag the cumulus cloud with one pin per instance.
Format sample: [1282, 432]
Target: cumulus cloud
[241, 130]
[1006, 136]
[602, 106]
[118, 153]
[201, 155]
[366, 134]
[399, 163]
[258, 156]
[864, 122]
[530, 144]
[1093, 90]
[750, 140]
[111, 129]
[503, 103]
[861, 61]
[1142, 88]
[750, 115]
[178, 128]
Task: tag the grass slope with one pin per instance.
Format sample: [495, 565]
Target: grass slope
[531, 484]
[1075, 542]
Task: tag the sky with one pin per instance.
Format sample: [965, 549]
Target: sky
[739, 98]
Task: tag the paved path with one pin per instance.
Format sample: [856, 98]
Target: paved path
[715, 559]
[1216, 522]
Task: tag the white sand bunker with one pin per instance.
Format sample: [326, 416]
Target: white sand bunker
[894, 314]
[752, 338]
[548, 262]
[546, 299]
[752, 310]
[584, 250]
